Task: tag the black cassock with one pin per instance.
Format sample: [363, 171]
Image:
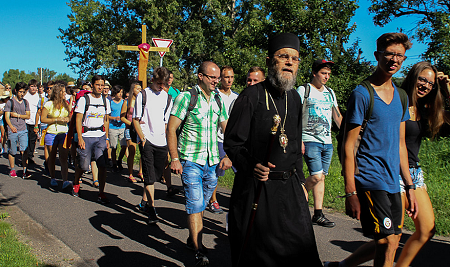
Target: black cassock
[282, 233]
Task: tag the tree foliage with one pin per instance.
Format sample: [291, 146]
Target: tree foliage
[229, 32]
[433, 25]
[14, 76]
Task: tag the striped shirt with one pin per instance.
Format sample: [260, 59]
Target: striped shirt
[198, 139]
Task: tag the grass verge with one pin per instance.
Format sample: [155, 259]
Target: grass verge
[12, 251]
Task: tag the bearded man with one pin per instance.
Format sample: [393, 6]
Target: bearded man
[281, 232]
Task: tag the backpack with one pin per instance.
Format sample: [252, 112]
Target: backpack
[340, 137]
[193, 103]
[86, 107]
[12, 109]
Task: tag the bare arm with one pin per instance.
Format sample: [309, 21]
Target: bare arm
[106, 124]
[137, 127]
[413, 208]
[8, 121]
[225, 163]
[174, 123]
[123, 114]
[78, 118]
[351, 134]
[337, 116]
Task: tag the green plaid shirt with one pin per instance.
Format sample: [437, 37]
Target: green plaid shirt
[198, 138]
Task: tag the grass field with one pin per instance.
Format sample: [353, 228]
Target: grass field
[435, 157]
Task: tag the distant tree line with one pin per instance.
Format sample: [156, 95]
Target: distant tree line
[14, 76]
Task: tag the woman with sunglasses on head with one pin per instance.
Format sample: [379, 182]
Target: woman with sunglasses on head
[426, 89]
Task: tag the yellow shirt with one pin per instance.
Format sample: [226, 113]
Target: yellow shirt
[56, 128]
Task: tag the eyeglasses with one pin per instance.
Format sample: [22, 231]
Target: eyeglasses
[391, 55]
[424, 82]
[286, 58]
[212, 78]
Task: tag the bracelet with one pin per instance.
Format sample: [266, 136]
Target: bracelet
[348, 195]
[107, 139]
[175, 159]
[36, 127]
[410, 186]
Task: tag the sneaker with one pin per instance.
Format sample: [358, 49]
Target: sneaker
[26, 175]
[67, 185]
[215, 208]
[102, 199]
[75, 190]
[322, 221]
[201, 259]
[143, 208]
[331, 264]
[152, 215]
[13, 174]
[53, 183]
[190, 245]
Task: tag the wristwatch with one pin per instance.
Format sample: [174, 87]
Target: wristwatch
[410, 186]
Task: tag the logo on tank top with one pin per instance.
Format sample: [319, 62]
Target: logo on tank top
[387, 223]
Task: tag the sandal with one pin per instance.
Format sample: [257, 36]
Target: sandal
[80, 181]
[96, 184]
[141, 175]
[131, 179]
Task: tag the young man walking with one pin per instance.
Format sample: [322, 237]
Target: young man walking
[320, 108]
[373, 191]
[92, 125]
[17, 110]
[150, 121]
[196, 155]
[33, 98]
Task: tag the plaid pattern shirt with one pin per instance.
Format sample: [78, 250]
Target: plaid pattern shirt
[198, 138]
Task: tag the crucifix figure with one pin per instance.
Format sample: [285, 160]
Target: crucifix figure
[143, 49]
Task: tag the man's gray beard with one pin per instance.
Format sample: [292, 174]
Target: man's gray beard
[279, 82]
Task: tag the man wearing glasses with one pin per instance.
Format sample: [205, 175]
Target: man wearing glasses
[320, 108]
[197, 154]
[373, 193]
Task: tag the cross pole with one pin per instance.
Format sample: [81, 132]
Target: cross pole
[143, 49]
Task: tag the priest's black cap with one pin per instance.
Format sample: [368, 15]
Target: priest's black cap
[283, 40]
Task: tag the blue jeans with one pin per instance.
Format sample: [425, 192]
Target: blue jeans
[20, 138]
[318, 157]
[199, 182]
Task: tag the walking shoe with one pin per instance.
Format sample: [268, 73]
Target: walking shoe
[331, 264]
[13, 174]
[143, 208]
[322, 221]
[190, 245]
[172, 191]
[53, 183]
[67, 185]
[152, 215]
[215, 208]
[26, 175]
[75, 190]
[120, 167]
[201, 259]
[102, 199]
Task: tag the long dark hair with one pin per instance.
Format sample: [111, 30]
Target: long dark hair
[432, 103]
[56, 97]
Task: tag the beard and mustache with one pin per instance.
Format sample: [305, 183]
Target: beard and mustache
[277, 80]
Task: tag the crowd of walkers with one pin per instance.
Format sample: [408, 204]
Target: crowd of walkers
[203, 131]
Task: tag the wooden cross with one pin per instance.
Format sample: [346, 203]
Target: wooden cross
[143, 49]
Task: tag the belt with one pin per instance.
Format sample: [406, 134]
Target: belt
[281, 175]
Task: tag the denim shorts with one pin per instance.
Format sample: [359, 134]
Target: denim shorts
[20, 138]
[318, 157]
[54, 139]
[199, 182]
[127, 134]
[416, 176]
[95, 149]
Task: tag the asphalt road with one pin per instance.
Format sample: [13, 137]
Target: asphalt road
[86, 233]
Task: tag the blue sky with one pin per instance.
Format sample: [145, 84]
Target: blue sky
[29, 31]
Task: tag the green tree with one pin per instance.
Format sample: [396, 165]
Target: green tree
[432, 27]
[64, 77]
[14, 76]
[47, 74]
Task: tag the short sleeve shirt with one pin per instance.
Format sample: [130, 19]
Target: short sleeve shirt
[95, 114]
[378, 155]
[115, 112]
[198, 138]
[317, 119]
[19, 108]
[53, 112]
[33, 100]
[228, 100]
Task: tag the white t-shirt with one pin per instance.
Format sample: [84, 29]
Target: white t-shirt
[2, 106]
[95, 114]
[154, 120]
[317, 119]
[33, 100]
[228, 100]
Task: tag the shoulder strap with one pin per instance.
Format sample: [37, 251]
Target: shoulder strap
[404, 99]
[329, 90]
[86, 106]
[218, 98]
[369, 88]
[305, 96]
[169, 99]
[12, 105]
[192, 103]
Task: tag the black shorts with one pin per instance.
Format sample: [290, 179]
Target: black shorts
[153, 161]
[381, 213]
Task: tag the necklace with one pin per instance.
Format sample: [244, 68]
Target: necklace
[283, 139]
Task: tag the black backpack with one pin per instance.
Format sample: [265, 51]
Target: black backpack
[193, 103]
[340, 136]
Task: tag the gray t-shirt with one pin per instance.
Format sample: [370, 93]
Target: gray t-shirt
[18, 108]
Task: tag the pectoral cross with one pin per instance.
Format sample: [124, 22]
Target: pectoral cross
[143, 49]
